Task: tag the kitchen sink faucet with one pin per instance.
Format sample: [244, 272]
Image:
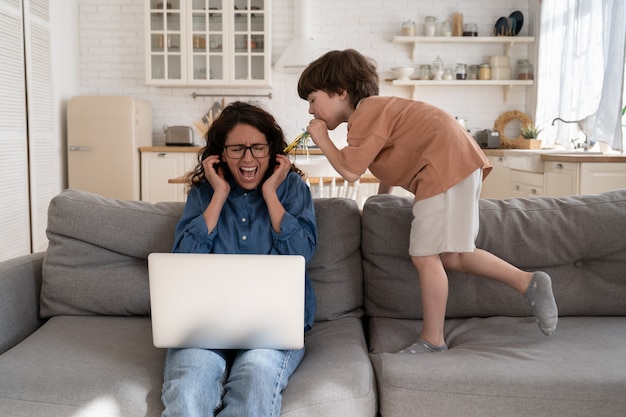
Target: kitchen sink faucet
[587, 144]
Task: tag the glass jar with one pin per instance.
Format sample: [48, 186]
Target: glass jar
[524, 70]
[446, 28]
[470, 29]
[430, 27]
[408, 28]
[424, 72]
[438, 69]
[448, 75]
[484, 72]
[461, 72]
[472, 72]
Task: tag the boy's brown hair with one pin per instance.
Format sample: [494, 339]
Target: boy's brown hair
[337, 71]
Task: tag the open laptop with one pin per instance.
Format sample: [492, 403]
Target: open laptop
[217, 301]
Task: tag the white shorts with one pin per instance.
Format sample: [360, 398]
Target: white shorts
[447, 222]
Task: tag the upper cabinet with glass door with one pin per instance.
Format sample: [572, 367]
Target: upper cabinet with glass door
[208, 42]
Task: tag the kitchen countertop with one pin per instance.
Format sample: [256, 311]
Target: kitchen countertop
[582, 157]
[311, 151]
[546, 155]
[169, 149]
[562, 156]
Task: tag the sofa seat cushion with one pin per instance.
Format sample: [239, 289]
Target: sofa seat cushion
[503, 366]
[335, 378]
[84, 366]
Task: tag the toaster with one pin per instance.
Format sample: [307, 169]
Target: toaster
[179, 136]
[488, 139]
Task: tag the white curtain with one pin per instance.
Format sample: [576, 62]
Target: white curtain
[580, 73]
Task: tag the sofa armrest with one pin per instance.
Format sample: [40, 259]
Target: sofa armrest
[20, 284]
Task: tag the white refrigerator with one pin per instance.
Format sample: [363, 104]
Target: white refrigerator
[104, 134]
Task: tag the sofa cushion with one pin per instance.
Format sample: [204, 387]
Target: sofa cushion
[503, 366]
[336, 270]
[578, 240]
[84, 366]
[96, 262]
[335, 378]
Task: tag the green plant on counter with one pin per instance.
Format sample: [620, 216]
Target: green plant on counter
[530, 131]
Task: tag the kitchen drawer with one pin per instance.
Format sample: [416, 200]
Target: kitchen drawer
[519, 189]
[525, 177]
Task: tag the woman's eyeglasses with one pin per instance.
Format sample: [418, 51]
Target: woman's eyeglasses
[238, 151]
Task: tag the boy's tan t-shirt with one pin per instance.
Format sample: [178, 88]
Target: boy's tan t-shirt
[410, 144]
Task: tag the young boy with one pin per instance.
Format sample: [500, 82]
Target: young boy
[426, 151]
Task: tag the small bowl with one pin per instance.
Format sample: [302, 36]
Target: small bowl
[403, 73]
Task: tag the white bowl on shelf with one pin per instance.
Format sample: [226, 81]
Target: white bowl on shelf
[403, 73]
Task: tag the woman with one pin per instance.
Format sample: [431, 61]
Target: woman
[245, 197]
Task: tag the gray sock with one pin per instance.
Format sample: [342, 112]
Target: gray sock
[422, 346]
[541, 299]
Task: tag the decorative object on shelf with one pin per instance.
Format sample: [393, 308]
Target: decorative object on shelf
[524, 70]
[518, 17]
[509, 26]
[484, 73]
[448, 75]
[424, 72]
[472, 72]
[446, 28]
[403, 73]
[501, 123]
[457, 24]
[470, 29]
[437, 68]
[461, 72]
[500, 67]
[430, 27]
[408, 28]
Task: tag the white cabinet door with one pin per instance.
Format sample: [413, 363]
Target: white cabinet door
[496, 185]
[599, 177]
[208, 42]
[157, 168]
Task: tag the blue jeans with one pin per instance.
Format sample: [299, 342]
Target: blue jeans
[202, 382]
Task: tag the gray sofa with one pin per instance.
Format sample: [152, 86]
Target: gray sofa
[75, 333]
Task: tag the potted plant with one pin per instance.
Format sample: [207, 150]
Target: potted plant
[530, 132]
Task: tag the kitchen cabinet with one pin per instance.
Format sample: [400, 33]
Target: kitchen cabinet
[563, 175]
[158, 167]
[601, 177]
[496, 185]
[508, 42]
[561, 178]
[208, 43]
[525, 184]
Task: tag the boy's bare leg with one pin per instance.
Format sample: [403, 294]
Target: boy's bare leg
[535, 286]
[434, 294]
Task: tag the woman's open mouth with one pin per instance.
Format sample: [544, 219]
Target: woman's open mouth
[248, 173]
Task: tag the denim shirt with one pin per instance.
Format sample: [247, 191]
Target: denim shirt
[244, 226]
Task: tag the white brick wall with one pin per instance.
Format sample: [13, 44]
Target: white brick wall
[112, 56]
